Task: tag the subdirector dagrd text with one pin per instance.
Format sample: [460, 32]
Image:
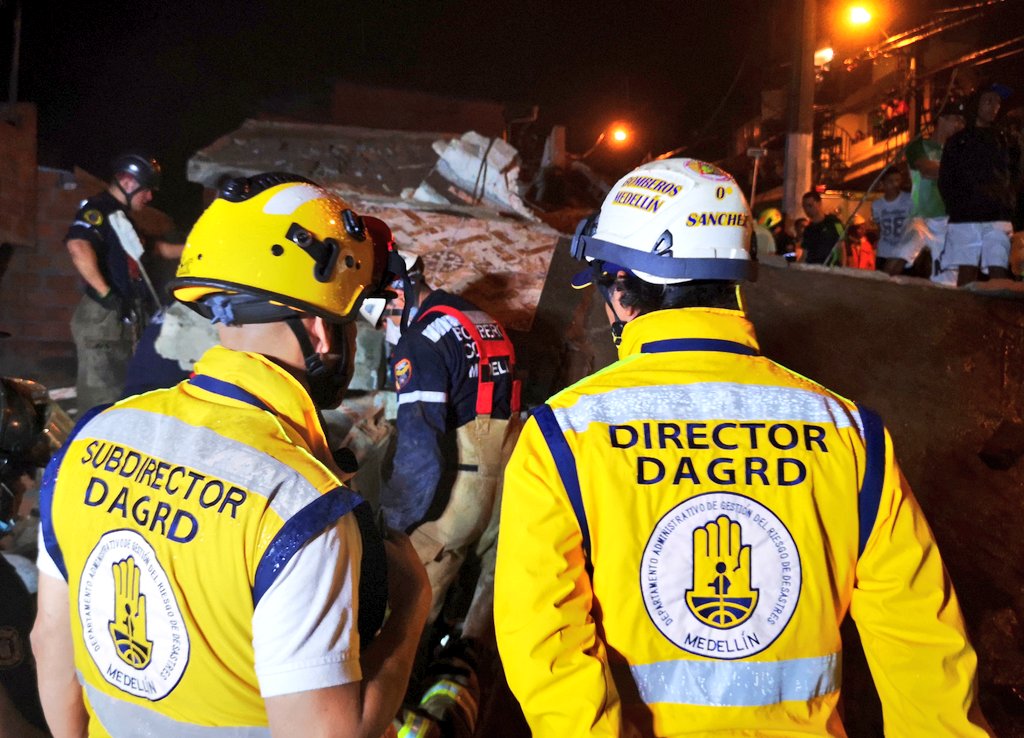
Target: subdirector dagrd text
[126, 475]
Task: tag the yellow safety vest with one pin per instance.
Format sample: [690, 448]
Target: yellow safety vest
[682, 534]
[170, 514]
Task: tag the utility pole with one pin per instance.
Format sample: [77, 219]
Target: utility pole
[800, 127]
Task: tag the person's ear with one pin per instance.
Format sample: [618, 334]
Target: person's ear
[319, 334]
[625, 313]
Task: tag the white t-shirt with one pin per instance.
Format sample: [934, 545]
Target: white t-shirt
[891, 218]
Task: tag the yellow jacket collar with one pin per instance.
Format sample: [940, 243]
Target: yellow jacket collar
[271, 384]
[713, 324]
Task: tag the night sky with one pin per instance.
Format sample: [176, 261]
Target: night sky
[170, 77]
[173, 76]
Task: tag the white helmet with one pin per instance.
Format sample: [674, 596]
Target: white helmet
[670, 221]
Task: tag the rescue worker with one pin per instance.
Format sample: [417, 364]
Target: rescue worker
[111, 313]
[203, 568]
[683, 532]
[458, 404]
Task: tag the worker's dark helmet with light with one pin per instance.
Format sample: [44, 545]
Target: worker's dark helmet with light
[145, 169]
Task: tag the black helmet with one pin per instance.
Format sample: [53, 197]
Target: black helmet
[145, 169]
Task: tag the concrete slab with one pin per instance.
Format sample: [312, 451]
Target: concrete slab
[368, 160]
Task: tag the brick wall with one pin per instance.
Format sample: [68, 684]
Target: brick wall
[40, 290]
[17, 173]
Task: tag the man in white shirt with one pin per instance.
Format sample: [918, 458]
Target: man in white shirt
[891, 213]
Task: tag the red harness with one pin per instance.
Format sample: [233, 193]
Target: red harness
[487, 349]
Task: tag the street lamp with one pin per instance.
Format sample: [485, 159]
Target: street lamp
[858, 15]
[861, 16]
[618, 135]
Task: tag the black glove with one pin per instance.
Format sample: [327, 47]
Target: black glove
[113, 301]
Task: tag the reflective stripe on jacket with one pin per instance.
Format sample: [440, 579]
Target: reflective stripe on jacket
[685, 531]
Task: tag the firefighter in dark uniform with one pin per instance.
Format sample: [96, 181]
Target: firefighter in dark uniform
[112, 312]
[458, 408]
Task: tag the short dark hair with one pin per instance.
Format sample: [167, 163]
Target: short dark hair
[647, 297]
[813, 194]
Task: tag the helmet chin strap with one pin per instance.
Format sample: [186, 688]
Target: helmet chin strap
[618, 324]
[128, 195]
[325, 385]
[314, 364]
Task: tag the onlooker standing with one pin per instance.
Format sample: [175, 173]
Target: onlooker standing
[858, 253]
[928, 219]
[891, 212]
[797, 252]
[977, 187]
[822, 233]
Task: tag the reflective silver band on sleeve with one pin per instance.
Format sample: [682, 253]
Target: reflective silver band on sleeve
[422, 396]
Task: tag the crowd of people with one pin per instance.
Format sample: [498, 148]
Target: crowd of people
[952, 222]
[668, 546]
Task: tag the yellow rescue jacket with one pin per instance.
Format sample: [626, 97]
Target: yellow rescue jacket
[170, 515]
[682, 534]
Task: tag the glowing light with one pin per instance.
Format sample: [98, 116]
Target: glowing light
[619, 134]
[823, 56]
[859, 15]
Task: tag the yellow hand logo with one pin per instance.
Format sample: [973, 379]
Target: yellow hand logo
[128, 628]
[721, 595]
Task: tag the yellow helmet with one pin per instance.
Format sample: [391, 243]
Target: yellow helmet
[770, 217]
[274, 245]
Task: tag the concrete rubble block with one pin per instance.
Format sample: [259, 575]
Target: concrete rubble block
[360, 425]
[185, 336]
[370, 360]
[474, 169]
[1005, 447]
[498, 263]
